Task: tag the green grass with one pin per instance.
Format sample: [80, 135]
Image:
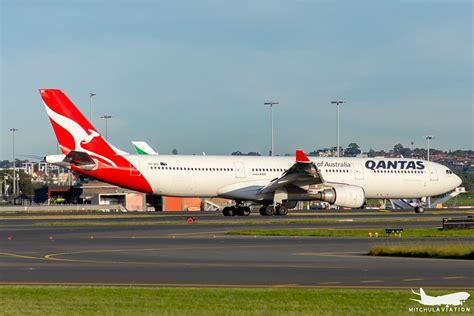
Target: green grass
[313, 232]
[209, 301]
[443, 250]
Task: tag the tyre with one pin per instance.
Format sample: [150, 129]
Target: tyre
[228, 211]
[268, 210]
[262, 211]
[281, 210]
[245, 211]
[419, 209]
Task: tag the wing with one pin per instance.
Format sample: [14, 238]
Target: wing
[303, 172]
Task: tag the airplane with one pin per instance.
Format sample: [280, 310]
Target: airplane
[142, 148]
[276, 183]
[453, 299]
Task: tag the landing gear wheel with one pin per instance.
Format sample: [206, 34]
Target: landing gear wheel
[266, 210]
[419, 209]
[244, 211]
[228, 211]
[281, 210]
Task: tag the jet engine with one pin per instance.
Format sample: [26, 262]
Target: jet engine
[342, 195]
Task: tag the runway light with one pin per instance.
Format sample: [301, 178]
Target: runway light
[50, 237]
[10, 237]
[190, 220]
[376, 234]
[370, 234]
[214, 236]
[92, 237]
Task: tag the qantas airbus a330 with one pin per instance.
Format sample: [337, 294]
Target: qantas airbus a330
[277, 183]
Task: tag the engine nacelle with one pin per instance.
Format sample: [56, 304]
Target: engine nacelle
[344, 195]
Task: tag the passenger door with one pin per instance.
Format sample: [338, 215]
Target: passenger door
[239, 169]
[358, 171]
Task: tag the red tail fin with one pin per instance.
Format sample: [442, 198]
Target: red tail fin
[73, 130]
[75, 133]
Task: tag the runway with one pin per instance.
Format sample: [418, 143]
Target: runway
[174, 254]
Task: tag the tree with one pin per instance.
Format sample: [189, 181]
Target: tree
[399, 150]
[174, 151]
[237, 153]
[352, 150]
[253, 153]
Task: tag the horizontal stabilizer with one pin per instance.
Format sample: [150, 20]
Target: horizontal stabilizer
[80, 159]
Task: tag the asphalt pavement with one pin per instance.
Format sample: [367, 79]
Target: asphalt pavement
[176, 254]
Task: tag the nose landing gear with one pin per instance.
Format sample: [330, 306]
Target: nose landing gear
[419, 209]
[419, 206]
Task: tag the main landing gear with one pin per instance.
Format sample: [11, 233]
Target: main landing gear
[270, 210]
[237, 210]
[266, 210]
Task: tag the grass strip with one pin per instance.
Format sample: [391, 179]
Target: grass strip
[207, 301]
[313, 232]
[425, 250]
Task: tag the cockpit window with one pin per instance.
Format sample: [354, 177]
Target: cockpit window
[448, 171]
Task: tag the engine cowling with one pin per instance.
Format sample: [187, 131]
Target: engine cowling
[344, 195]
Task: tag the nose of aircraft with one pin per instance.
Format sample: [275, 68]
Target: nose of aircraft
[457, 181]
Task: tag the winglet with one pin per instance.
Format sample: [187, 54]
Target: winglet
[301, 156]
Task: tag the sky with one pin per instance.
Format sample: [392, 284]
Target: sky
[193, 75]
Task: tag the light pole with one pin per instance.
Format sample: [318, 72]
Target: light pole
[271, 104]
[428, 139]
[337, 102]
[91, 94]
[106, 118]
[5, 187]
[13, 130]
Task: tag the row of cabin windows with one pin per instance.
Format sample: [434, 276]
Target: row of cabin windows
[337, 170]
[398, 171]
[269, 169]
[277, 170]
[191, 169]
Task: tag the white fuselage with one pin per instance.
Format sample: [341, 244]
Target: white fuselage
[240, 177]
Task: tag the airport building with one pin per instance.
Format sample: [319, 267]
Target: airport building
[100, 193]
